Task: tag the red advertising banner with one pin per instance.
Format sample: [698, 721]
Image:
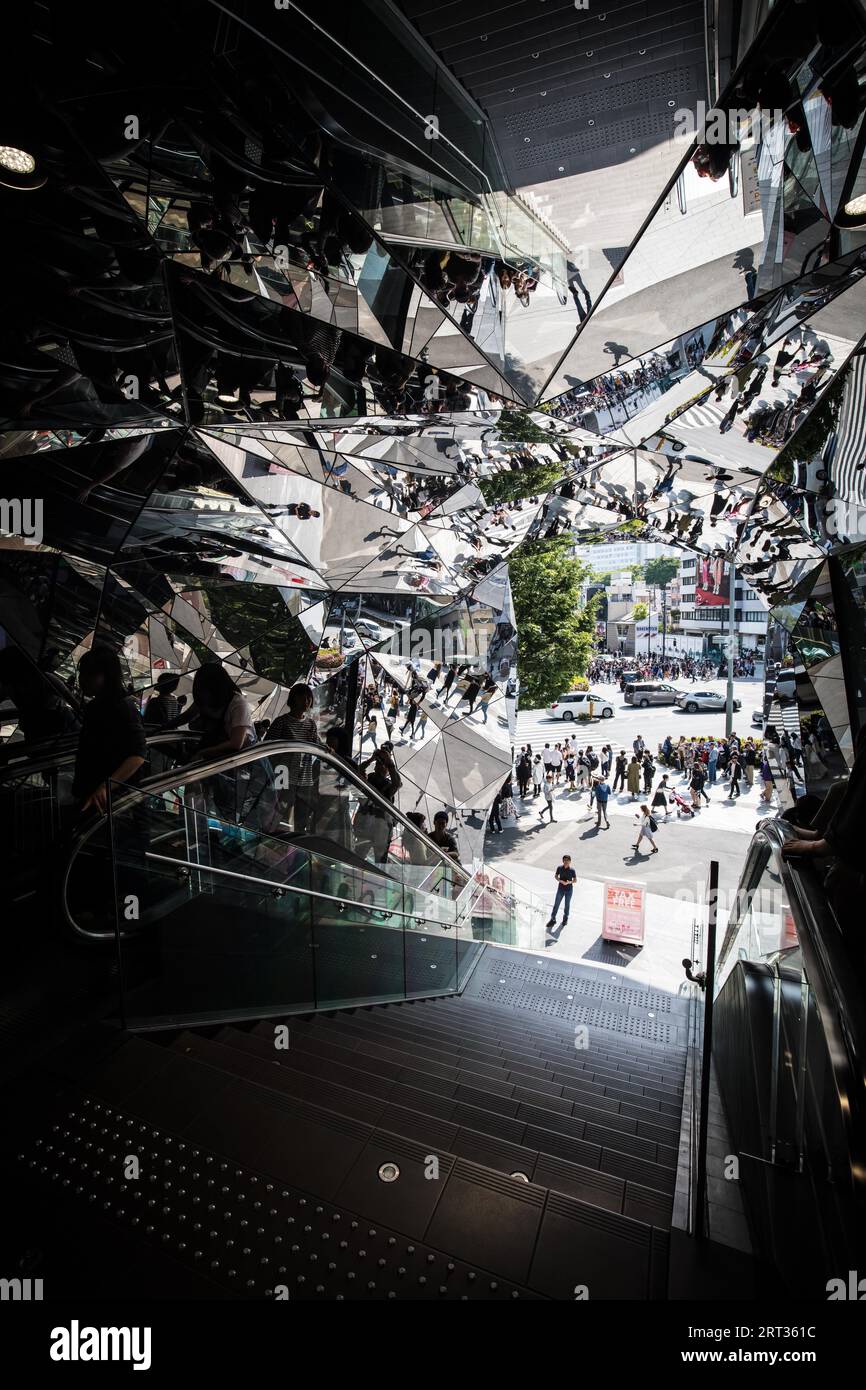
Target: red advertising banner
[713, 582]
[623, 911]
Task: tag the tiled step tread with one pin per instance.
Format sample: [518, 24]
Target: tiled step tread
[444, 1092]
[445, 1046]
[485, 1020]
[341, 1098]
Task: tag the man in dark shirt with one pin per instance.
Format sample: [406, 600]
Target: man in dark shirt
[565, 879]
[111, 745]
[443, 837]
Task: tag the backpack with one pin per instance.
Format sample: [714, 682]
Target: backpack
[654, 825]
[593, 761]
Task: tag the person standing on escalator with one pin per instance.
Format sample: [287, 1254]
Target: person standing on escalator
[112, 746]
[373, 825]
[300, 771]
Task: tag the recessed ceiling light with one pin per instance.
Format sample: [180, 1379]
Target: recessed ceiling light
[17, 161]
[632, 150]
[543, 94]
[535, 55]
[590, 122]
[671, 103]
[562, 168]
[589, 52]
[483, 38]
[607, 74]
[19, 169]
[641, 51]
[526, 140]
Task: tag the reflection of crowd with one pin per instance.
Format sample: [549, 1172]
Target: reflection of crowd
[772, 421]
[609, 390]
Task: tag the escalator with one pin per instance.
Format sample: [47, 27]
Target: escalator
[37, 806]
[790, 1050]
[276, 880]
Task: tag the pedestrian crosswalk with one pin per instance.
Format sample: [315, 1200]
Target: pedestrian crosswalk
[537, 727]
[708, 415]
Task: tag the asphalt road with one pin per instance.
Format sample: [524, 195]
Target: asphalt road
[538, 727]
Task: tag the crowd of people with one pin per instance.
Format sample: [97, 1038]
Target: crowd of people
[607, 669]
[281, 795]
[611, 389]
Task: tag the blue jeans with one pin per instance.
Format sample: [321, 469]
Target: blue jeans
[563, 895]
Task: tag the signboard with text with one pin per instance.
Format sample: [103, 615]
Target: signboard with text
[623, 911]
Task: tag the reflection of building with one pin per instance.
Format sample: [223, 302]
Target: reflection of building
[704, 610]
[612, 556]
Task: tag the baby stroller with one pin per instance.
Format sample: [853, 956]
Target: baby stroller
[684, 808]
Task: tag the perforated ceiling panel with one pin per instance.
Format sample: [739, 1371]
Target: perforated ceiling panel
[570, 89]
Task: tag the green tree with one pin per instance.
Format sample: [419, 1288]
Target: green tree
[659, 573]
[640, 612]
[555, 635]
[517, 425]
[637, 572]
[508, 486]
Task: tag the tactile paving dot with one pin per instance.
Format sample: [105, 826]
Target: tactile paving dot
[246, 1232]
[629, 1025]
[635, 996]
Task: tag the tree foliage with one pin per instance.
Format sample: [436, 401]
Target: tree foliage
[508, 485]
[516, 425]
[658, 573]
[640, 612]
[555, 635]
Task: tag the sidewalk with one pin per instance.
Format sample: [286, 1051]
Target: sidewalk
[667, 940]
[722, 813]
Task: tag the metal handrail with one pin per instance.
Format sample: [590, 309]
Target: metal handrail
[198, 771]
[62, 757]
[831, 973]
[277, 889]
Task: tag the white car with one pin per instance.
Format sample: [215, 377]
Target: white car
[580, 704]
[367, 628]
[693, 700]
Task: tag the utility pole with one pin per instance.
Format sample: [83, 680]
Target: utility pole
[732, 631]
[664, 621]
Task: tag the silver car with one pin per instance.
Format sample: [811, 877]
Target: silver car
[693, 700]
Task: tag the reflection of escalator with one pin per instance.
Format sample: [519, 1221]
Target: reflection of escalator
[224, 909]
[789, 1038]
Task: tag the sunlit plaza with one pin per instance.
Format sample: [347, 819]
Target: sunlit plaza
[433, 666]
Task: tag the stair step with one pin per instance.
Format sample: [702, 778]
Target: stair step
[486, 1127]
[447, 1048]
[477, 1095]
[453, 1027]
[507, 1084]
[367, 1258]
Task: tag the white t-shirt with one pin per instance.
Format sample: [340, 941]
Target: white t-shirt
[239, 713]
[547, 757]
[555, 758]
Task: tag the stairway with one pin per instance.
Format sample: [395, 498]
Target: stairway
[461, 1147]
